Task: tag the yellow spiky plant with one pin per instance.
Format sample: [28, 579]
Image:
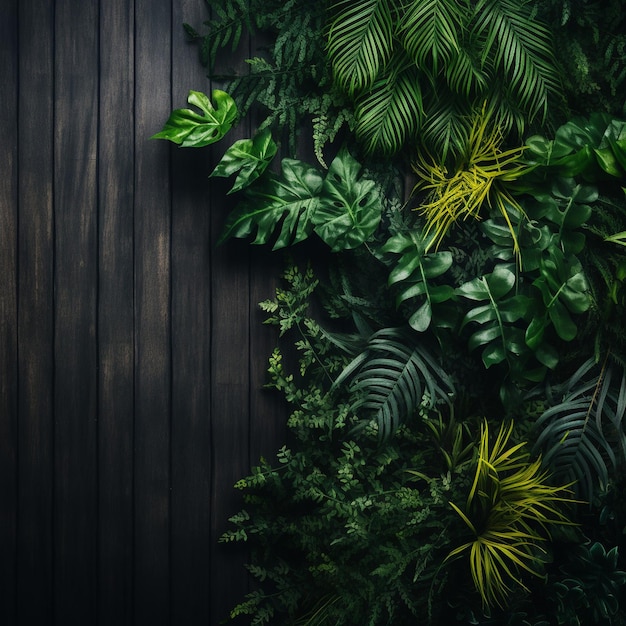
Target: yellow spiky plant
[508, 511]
[478, 180]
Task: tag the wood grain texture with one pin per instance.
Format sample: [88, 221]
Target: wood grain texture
[152, 314]
[132, 354]
[191, 346]
[35, 544]
[8, 309]
[76, 284]
[116, 187]
[230, 383]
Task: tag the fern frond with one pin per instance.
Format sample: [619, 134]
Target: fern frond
[464, 74]
[446, 125]
[390, 379]
[360, 42]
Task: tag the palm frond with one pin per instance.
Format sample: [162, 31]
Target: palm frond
[360, 42]
[464, 74]
[520, 48]
[390, 379]
[446, 125]
[430, 32]
[582, 436]
[391, 112]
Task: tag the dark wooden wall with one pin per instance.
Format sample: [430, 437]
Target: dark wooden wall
[132, 353]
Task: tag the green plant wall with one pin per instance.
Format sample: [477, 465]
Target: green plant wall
[456, 440]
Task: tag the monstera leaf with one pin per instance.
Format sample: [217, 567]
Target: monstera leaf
[189, 129]
[283, 204]
[413, 274]
[496, 315]
[350, 207]
[564, 290]
[249, 157]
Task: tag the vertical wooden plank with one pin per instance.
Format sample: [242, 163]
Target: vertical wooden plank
[191, 345]
[8, 309]
[36, 312]
[152, 314]
[75, 400]
[116, 314]
[230, 385]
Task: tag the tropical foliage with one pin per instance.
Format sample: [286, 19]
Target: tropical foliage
[457, 445]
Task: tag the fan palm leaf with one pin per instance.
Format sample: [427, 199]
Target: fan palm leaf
[360, 42]
[520, 48]
[430, 33]
[390, 378]
[391, 112]
[582, 435]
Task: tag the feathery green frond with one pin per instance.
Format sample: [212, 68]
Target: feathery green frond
[429, 32]
[391, 112]
[390, 379]
[360, 42]
[521, 49]
[582, 435]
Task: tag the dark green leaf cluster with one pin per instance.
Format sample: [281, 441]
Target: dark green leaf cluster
[590, 44]
[341, 529]
[289, 77]
[582, 433]
[342, 207]
[417, 69]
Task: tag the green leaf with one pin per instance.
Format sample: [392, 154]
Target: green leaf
[430, 31]
[391, 377]
[500, 338]
[360, 42]
[391, 112]
[192, 130]
[493, 286]
[349, 208]
[573, 433]
[564, 290]
[520, 48]
[414, 272]
[249, 157]
[283, 205]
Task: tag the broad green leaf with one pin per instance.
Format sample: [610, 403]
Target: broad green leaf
[608, 162]
[497, 316]
[349, 208]
[249, 157]
[496, 285]
[564, 290]
[189, 129]
[413, 273]
[282, 207]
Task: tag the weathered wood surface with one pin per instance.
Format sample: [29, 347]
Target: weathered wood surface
[131, 348]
